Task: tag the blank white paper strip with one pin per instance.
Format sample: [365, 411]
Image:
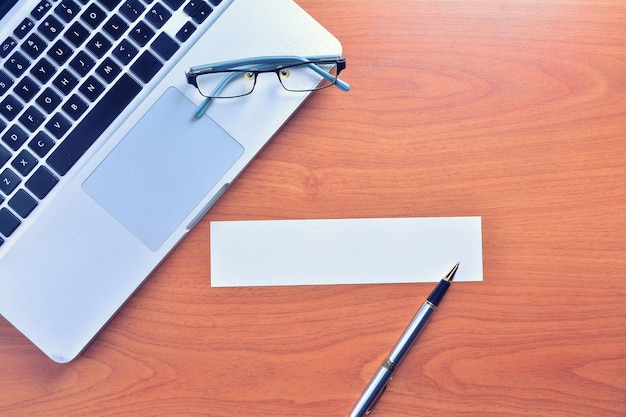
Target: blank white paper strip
[344, 251]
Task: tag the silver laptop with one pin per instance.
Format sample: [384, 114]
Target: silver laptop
[103, 168]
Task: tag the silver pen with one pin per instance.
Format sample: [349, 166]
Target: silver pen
[379, 382]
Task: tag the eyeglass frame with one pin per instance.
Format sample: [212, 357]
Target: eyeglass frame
[256, 65]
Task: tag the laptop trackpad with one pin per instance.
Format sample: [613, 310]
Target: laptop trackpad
[162, 169]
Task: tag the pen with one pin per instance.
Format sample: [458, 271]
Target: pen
[381, 378]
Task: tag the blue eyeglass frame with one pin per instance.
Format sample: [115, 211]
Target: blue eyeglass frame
[264, 63]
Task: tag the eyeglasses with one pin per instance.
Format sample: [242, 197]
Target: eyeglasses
[238, 78]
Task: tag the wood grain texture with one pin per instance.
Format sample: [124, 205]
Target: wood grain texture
[511, 110]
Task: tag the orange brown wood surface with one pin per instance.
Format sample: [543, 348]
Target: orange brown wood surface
[511, 110]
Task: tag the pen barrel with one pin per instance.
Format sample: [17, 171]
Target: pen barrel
[373, 391]
[412, 331]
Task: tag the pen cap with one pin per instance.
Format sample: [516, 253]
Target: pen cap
[435, 297]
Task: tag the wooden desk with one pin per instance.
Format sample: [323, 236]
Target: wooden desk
[514, 111]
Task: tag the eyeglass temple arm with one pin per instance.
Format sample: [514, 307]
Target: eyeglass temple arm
[207, 101]
[343, 86]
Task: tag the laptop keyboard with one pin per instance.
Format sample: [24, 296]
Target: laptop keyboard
[68, 71]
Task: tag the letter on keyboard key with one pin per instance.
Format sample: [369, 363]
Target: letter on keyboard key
[58, 125]
[14, 137]
[94, 124]
[32, 118]
[8, 181]
[10, 107]
[40, 144]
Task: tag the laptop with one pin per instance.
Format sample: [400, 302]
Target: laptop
[103, 169]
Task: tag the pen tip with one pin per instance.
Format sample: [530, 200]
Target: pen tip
[452, 272]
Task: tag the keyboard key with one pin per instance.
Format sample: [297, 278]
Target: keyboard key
[41, 182]
[115, 26]
[7, 46]
[67, 10]
[41, 9]
[99, 45]
[48, 100]
[109, 4]
[146, 66]
[40, 144]
[158, 15]
[23, 28]
[215, 2]
[17, 64]
[60, 52]
[91, 88]
[174, 4]
[8, 181]
[93, 16]
[26, 89]
[58, 125]
[5, 82]
[14, 137]
[8, 222]
[165, 46]
[43, 70]
[132, 9]
[108, 70]
[22, 203]
[125, 52]
[191, 7]
[32, 118]
[65, 82]
[24, 162]
[141, 33]
[34, 45]
[200, 14]
[51, 27]
[5, 155]
[77, 34]
[185, 32]
[82, 63]
[10, 107]
[75, 106]
[94, 124]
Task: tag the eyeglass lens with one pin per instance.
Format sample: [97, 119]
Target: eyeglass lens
[304, 77]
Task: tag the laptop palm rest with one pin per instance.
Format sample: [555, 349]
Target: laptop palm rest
[162, 169]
